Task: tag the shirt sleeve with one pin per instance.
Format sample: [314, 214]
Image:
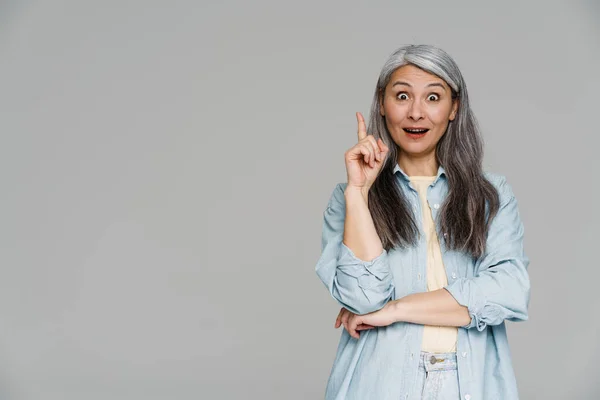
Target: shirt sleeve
[500, 289]
[358, 285]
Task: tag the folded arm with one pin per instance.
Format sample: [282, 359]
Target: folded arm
[436, 307]
[361, 282]
[499, 290]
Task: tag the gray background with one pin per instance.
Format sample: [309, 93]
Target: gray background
[165, 167]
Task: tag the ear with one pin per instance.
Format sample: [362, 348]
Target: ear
[454, 110]
[381, 110]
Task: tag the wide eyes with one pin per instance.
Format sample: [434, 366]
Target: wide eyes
[430, 97]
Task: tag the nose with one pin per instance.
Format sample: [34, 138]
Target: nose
[415, 112]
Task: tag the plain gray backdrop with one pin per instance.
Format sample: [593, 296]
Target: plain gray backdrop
[165, 166]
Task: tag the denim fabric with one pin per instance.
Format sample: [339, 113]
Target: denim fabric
[438, 376]
[383, 363]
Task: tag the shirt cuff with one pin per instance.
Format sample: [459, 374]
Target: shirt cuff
[349, 263]
[468, 294]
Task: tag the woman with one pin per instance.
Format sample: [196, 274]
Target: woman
[421, 247]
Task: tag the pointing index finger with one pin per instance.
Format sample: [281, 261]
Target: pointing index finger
[362, 128]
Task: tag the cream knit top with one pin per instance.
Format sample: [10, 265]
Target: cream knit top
[440, 339]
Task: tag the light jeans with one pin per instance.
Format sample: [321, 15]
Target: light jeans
[438, 376]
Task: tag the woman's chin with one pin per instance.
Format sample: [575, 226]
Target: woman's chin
[416, 148]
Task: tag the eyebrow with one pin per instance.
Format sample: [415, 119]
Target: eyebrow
[409, 85]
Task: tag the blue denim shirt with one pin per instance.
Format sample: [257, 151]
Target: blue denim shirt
[383, 363]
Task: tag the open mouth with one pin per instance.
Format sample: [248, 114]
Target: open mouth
[415, 132]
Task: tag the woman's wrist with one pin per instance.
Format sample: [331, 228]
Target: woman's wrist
[354, 191]
[399, 310]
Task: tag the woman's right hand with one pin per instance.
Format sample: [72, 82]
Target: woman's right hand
[365, 159]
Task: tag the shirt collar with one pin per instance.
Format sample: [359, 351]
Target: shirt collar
[441, 171]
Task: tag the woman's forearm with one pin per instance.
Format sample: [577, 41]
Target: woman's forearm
[436, 307]
[360, 234]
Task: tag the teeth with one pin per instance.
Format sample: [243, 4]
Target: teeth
[416, 130]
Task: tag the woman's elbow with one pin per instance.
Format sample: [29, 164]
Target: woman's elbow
[363, 301]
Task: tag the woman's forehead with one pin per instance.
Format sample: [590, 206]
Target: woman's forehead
[412, 76]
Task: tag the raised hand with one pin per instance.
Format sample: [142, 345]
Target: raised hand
[365, 159]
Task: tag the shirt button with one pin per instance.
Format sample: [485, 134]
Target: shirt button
[419, 276]
[467, 396]
[436, 206]
[454, 275]
[464, 354]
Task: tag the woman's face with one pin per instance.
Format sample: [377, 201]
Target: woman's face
[415, 99]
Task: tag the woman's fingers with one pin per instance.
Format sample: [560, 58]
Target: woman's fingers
[362, 327]
[385, 150]
[370, 144]
[362, 135]
[353, 322]
[375, 146]
[366, 151]
[382, 146]
[338, 320]
[345, 317]
[362, 127]
[369, 156]
[375, 149]
[370, 149]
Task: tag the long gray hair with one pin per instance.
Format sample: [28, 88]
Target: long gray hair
[463, 216]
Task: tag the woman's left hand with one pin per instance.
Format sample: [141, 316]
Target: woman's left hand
[353, 323]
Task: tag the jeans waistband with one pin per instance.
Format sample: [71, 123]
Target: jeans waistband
[437, 361]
